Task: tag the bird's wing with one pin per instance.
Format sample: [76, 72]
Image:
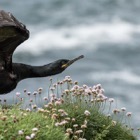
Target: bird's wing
[12, 33]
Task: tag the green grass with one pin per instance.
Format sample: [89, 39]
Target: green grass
[79, 114]
[99, 126]
[13, 120]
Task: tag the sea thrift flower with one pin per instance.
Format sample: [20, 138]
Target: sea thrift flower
[28, 109]
[116, 111]
[31, 100]
[129, 114]
[34, 106]
[83, 126]
[57, 124]
[35, 129]
[67, 77]
[28, 138]
[78, 131]
[111, 100]
[61, 82]
[35, 93]
[3, 118]
[67, 119]
[25, 90]
[63, 122]
[40, 89]
[52, 89]
[61, 111]
[87, 91]
[45, 98]
[17, 94]
[87, 113]
[98, 86]
[75, 125]
[55, 85]
[69, 130]
[102, 91]
[32, 135]
[29, 93]
[114, 123]
[123, 109]
[20, 132]
[100, 95]
[57, 103]
[75, 87]
[73, 119]
[64, 114]
[76, 83]
[54, 116]
[40, 110]
[108, 115]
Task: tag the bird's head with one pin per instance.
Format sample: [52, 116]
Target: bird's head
[61, 64]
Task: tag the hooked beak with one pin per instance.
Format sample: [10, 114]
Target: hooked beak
[72, 61]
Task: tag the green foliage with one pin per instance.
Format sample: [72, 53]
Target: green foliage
[99, 126]
[13, 120]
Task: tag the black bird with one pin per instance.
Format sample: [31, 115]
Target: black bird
[12, 34]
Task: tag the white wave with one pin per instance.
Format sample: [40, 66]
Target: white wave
[125, 75]
[81, 35]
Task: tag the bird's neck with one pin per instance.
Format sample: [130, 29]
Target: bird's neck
[26, 71]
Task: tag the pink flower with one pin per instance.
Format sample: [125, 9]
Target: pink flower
[111, 100]
[20, 132]
[87, 113]
[123, 109]
[129, 114]
[17, 94]
[28, 138]
[32, 135]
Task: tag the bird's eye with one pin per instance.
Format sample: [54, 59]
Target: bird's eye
[63, 62]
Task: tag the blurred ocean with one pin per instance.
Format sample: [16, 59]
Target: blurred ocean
[107, 32]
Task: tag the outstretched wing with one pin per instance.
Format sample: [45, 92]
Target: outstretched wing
[12, 33]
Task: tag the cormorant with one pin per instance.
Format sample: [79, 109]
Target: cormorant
[12, 34]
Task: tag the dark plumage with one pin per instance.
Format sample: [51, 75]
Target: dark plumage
[12, 34]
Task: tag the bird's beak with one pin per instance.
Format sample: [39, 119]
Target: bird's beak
[72, 61]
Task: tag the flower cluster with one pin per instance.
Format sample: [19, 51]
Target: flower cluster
[56, 103]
